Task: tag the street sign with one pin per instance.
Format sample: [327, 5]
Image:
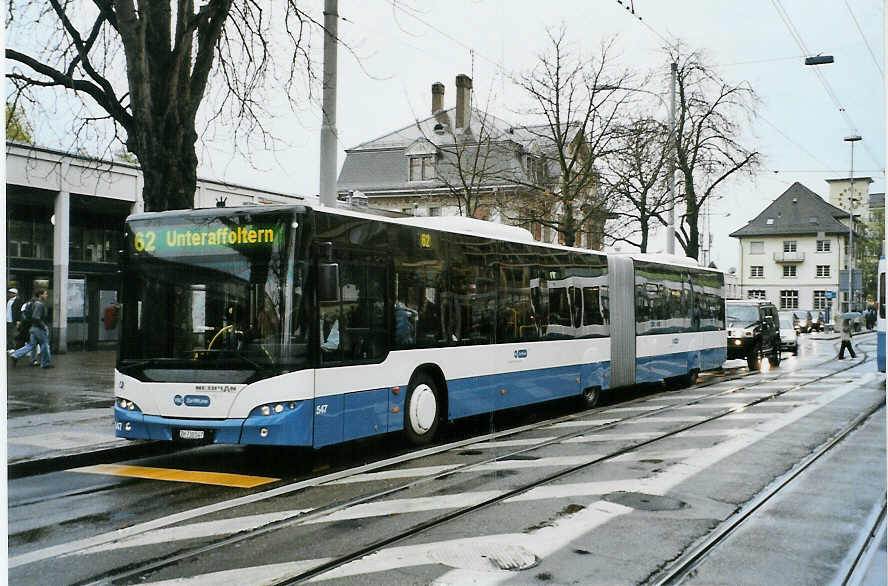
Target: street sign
[830, 294]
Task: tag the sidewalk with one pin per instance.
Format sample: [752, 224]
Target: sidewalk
[62, 413]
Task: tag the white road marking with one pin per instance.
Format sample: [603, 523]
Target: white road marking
[477, 550]
[668, 398]
[656, 455]
[612, 437]
[668, 419]
[558, 461]
[511, 443]
[270, 574]
[540, 542]
[583, 423]
[196, 531]
[641, 407]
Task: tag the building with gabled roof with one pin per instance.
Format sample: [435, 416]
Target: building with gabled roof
[417, 169]
[795, 251]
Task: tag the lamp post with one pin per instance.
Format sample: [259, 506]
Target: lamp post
[851, 259]
[672, 138]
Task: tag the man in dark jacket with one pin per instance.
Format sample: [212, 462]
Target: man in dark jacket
[39, 331]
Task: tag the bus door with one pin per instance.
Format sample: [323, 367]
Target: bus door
[353, 331]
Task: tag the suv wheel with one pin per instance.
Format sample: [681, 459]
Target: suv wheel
[754, 358]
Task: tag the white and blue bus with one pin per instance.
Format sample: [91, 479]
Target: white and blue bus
[303, 326]
[880, 318]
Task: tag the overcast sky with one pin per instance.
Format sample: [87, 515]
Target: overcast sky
[399, 50]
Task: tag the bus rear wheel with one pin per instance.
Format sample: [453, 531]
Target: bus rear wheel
[422, 410]
[590, 397]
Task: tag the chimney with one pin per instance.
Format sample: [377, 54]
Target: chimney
[463, 101]
[437, 97]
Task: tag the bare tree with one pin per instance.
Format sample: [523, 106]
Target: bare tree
[578, 102]
[473, 165]
[168, 51]
[634, 176]
[710, 112]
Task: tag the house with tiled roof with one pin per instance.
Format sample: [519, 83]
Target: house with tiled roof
[417, 169]
[795, 252]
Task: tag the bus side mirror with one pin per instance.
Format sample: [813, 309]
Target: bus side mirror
[328, 282]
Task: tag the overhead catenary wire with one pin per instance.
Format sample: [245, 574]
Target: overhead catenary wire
[865, 41]
[781, 11]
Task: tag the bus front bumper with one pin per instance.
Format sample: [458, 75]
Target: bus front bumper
[292, 427]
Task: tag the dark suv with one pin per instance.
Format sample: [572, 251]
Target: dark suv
[753, 331]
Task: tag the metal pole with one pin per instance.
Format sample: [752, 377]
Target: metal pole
[670, 229]
[851, 238]
[328, 109]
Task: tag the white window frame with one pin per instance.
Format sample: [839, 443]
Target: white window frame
[820, 299]
[824, 245]
[789, 299]
[756, 294]
[789, 272]
[757, 271]
[823, 270]
[790, 245]
[756, 244]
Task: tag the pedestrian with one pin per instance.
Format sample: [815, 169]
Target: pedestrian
[39, 332]
[846, 340]
[13, 315]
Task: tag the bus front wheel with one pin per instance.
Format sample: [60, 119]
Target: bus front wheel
[422, 410]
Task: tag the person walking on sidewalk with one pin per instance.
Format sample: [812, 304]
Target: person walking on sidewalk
[13, 315]
[846, 340]
[39, 332]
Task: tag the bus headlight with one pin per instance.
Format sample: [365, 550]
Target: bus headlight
[275, 408]
[127, 404]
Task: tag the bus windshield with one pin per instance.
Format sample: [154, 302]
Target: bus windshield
[210, 297]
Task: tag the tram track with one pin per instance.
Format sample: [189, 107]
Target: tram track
[688, 563]
[143, 570]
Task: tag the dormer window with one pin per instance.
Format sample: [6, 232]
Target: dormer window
[422, 167]
[769, 221]
[422, 156]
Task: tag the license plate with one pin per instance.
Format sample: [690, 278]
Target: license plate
[191, 434]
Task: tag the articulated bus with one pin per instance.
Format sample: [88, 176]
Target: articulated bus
[880, 319]
[310, 326]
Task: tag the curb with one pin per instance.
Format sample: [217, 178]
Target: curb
[101, 456]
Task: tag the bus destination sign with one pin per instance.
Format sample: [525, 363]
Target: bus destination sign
[179, 239]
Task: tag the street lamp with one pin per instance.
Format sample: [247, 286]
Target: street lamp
[851, 260]
[673, 70]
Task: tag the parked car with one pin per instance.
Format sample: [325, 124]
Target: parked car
[753, 331]
[806, 320]
[789, 332]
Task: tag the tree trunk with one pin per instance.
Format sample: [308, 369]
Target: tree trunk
[644, 234]
[170, 177]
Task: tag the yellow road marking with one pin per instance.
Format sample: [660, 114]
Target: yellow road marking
[218, 478]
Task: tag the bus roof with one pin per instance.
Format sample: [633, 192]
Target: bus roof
[455, 224]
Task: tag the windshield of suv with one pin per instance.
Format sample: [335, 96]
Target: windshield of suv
[741, 314]
[211, 297]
